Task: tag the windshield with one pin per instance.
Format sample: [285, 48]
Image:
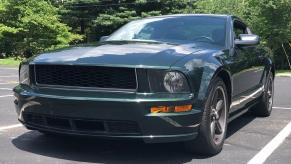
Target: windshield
[179, 30]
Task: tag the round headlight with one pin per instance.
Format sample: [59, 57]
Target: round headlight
[175, 82]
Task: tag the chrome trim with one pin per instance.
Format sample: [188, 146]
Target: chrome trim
[64, 87]
[109, 135]
[252, 95]
[136, 80]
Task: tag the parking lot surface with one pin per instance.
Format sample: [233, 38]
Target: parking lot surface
[248, 137]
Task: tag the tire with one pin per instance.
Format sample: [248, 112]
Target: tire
[210, 137]
[265, 103]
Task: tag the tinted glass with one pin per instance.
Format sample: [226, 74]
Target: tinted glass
[180, 30]
[239, 29]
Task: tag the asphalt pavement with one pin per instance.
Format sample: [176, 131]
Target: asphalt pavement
[249, 138]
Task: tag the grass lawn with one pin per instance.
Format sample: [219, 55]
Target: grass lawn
[9, 62]
[283, 72]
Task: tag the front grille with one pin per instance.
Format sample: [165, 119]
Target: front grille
[81, 125]
[86, 76]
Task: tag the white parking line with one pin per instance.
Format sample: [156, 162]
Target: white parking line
[10, 127]
[281, 108]
[9, 76]
[6, 96]
[14, 82]
[271, 146]
[9, 89]
[8, 68]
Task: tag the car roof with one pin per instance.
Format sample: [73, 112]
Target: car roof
[186, 15]
[198, 15]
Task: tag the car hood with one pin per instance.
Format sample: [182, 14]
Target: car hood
[129, 54]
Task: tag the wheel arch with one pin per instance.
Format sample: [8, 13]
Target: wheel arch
[270, 67]
[226, 78]
[273, 70]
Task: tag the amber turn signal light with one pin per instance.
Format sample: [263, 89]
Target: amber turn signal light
[171, 109]
[160, 109]
[183, 108]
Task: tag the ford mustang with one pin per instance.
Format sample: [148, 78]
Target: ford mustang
[173, 78]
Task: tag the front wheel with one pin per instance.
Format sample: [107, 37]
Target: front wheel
[213, 126]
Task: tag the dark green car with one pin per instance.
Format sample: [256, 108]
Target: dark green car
[160, 79]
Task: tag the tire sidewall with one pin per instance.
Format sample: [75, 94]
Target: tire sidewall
[265, 96]
[204, 130]
[262, 108]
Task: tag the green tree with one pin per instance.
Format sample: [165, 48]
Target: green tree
[3, 28]
[110, 20]
[31, 26]
[94, 18]
[270, 19]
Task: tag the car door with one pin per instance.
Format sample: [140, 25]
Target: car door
[251, 66]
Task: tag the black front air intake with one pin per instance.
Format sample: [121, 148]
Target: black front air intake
[81, 125]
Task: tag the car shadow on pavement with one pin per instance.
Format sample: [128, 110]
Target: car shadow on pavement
[239, 123]
[85, 149]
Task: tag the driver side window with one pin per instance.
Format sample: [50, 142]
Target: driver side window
[239, 28]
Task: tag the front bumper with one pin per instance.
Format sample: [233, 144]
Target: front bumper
[104, 114]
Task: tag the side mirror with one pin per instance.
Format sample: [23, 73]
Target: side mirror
[103, 38]
[247, 39]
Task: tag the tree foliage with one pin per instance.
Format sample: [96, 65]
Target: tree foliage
[3, 27]
[270, 19]
[94, 18]
[30, 26]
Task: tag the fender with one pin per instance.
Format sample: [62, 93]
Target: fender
[201, 69]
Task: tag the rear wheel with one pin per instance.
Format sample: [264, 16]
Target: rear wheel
[213, 126]
[265, 104]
